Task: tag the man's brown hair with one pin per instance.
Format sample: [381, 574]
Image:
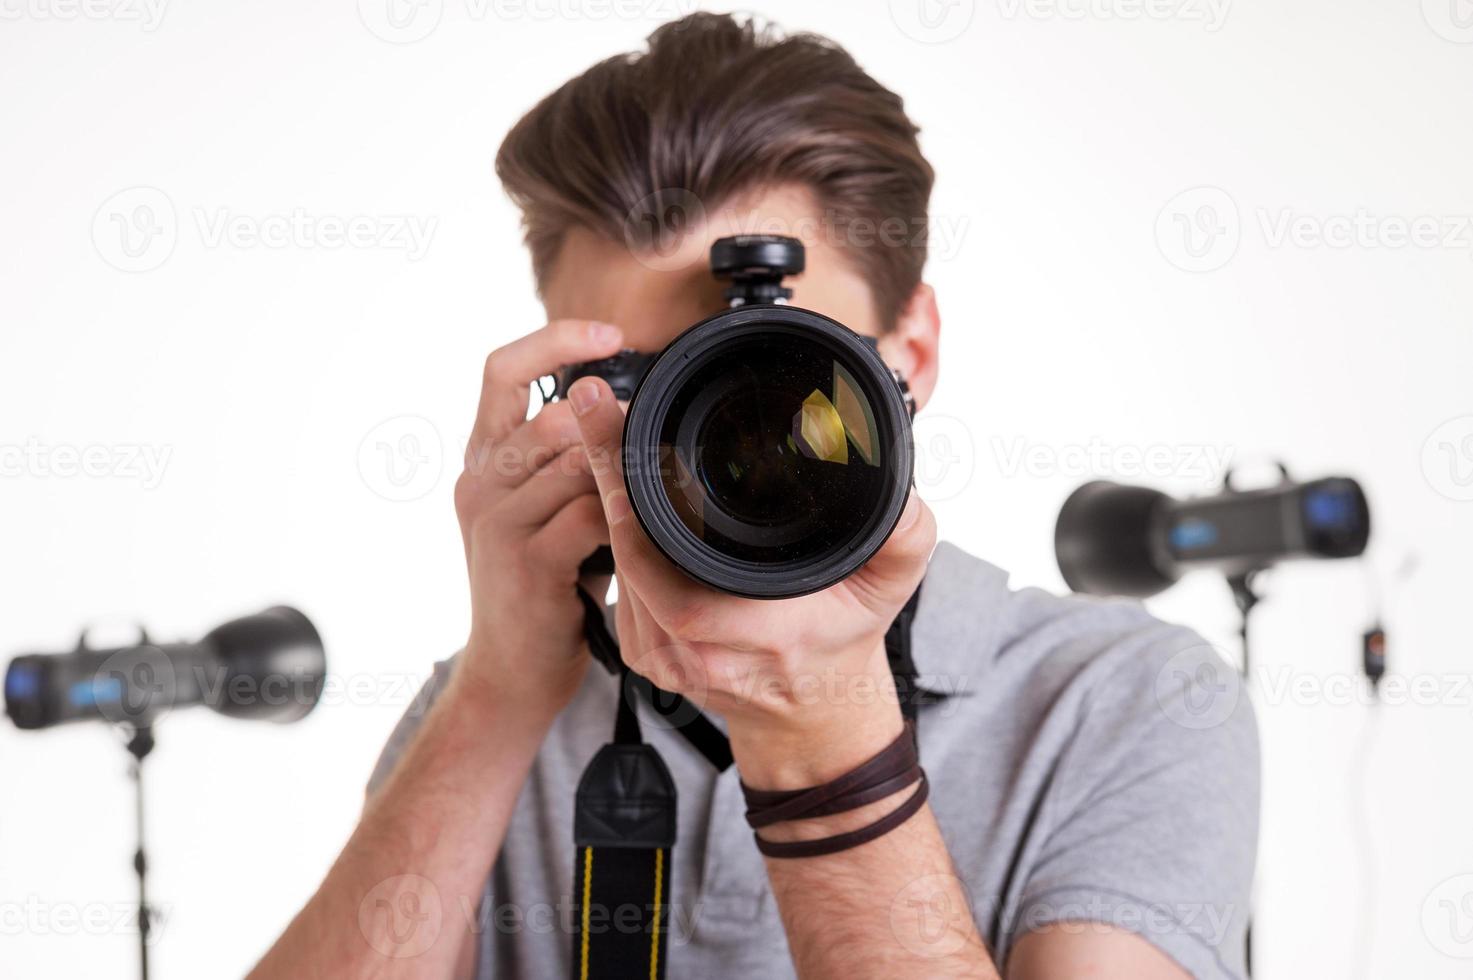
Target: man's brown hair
[714, 107]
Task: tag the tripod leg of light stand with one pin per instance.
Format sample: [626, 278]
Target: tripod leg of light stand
[140, 743]
[1246, 598]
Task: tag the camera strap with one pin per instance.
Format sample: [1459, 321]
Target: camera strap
[624, 813]
[697, 729]
[623, 832]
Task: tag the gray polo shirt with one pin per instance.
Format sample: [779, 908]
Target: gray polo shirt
[1093, 765]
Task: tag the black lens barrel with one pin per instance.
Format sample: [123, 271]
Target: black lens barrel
[767, 452]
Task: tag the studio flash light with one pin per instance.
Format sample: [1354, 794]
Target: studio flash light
[1113, 539]
[269, 666]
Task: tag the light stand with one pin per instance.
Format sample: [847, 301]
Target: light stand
[1246, 599]
[140, 743]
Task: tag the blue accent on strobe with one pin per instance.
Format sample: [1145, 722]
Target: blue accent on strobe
[22, 682]
[1193, 533]
[1330, 508]
[85, 694]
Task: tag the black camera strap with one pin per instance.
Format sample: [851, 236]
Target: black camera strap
[625, 809]
[697, 729]
[623, 833]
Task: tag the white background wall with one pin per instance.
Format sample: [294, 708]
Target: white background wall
[1064, 132]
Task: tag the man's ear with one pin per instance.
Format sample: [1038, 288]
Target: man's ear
[913, 346]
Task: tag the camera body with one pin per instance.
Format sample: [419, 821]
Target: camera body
[767, 449]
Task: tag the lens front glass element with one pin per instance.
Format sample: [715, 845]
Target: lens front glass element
[770, 453]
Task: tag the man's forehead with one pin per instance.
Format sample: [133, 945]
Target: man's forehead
[654, 293]
[596, 278]
[789, 211]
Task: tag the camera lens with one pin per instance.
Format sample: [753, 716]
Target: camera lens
[767, 452]
[772, 454]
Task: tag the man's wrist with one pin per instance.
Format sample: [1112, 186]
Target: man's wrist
[851, 718]
[480, 690]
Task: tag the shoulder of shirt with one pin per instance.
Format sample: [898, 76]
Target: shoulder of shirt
[972, 623]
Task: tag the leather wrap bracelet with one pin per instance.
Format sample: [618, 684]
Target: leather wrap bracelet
[892, 770]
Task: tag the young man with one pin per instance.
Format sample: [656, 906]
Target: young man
[1086, 818]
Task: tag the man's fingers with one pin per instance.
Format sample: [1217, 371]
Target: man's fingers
[531, 446]
[510, 370]
[897, 568]
[548, 490]
[571, 535]
[601, 422]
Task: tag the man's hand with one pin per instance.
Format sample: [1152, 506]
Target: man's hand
[803, 683]
[529, 513]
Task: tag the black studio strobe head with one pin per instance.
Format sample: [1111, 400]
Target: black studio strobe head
[767, 450]
[1113, 539]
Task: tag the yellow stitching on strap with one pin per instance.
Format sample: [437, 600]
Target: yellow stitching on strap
[587, 898]
[655, 933]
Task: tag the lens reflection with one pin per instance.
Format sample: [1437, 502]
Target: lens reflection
[770, 452]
